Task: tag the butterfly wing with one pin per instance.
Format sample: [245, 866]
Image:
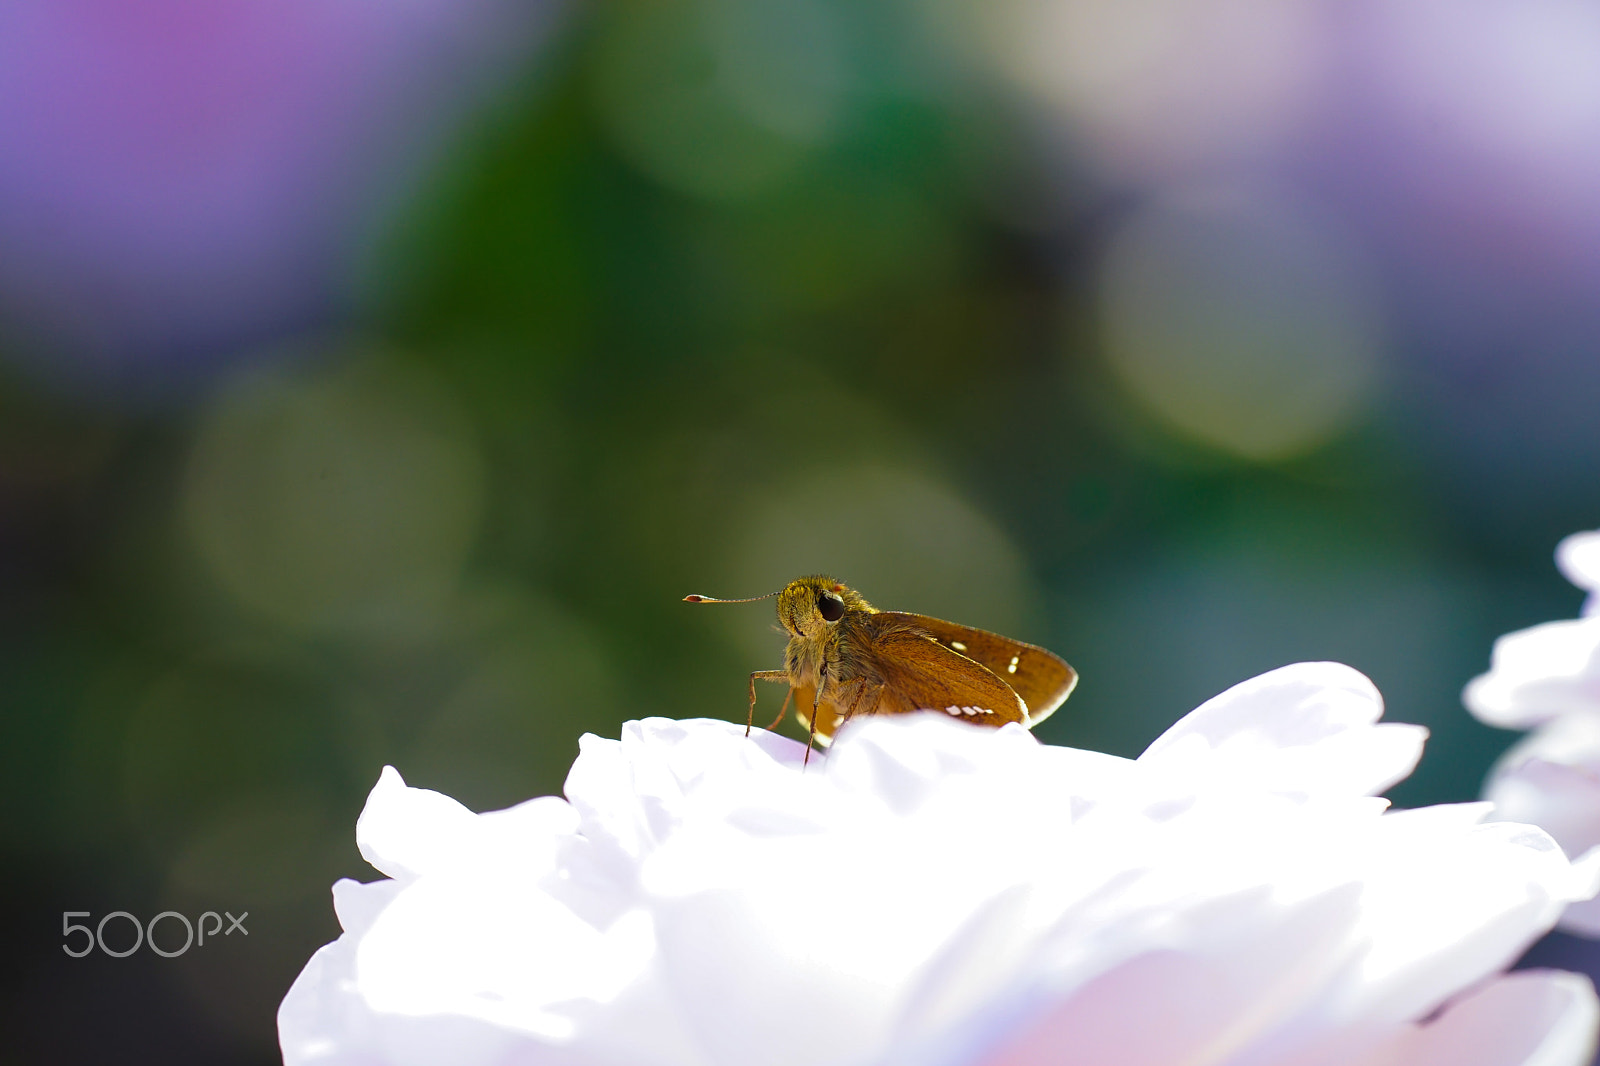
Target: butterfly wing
[1041, 678]
[920, 673]
[828, 715]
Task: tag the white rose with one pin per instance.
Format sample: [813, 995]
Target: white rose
[933, 893]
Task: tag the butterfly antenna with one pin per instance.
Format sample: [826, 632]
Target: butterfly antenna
[695, 597]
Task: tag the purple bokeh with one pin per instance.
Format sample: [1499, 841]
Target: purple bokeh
[1464, 144]
[183, 179]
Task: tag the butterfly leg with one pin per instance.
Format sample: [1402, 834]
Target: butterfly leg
[763, 675]
[860, 700]
[787, 696]
[816, 705]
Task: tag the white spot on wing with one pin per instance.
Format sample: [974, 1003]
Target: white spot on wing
[958, 646]
[1013, 667]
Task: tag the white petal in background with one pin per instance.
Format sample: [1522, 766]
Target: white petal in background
[1538, 674]
[1547, 670]
[932, 892]
[1547, 678]
[1578, 556]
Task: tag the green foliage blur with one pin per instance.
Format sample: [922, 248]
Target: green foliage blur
[627, 342]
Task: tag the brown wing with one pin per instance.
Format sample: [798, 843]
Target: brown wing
[827, 714]
[1042, 678]
[918, 674]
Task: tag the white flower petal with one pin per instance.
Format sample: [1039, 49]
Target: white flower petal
[1548, 677]
[1446, 907]
[933, 893]
[1306, 728]
[1582, 918]
[1538, 673]
[403, 831]
[1532, 1018]
[321, 1019]
[1217, 996]
[631, 793]
[1578, 556]
[1551, 778]
[358, 905]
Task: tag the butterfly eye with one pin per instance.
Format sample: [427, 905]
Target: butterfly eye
[831, 607]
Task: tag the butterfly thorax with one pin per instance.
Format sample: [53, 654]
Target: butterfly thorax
[819, 648]
[845, 655]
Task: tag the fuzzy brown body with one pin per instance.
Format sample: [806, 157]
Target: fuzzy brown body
[847, 658]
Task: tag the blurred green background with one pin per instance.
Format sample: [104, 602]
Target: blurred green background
[1184, 369]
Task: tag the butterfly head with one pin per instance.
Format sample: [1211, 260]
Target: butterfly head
[810, 606]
